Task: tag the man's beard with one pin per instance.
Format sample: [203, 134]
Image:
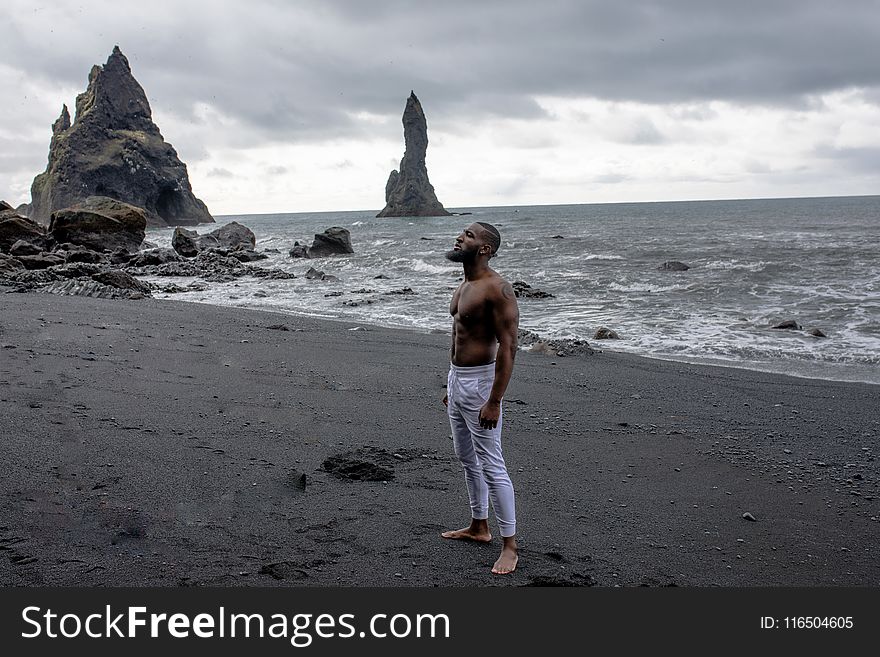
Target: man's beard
[460, 255]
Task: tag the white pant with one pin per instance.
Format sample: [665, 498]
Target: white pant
[479, 449]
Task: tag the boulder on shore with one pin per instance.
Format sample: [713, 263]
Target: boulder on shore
[15, 228]
[101, 224]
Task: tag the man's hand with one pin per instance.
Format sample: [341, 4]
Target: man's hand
[489, 414]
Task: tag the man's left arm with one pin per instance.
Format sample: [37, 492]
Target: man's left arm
[505, 316]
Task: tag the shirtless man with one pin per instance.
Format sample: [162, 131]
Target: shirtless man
[484, 335]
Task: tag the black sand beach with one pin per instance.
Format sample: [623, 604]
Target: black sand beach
[165, 443]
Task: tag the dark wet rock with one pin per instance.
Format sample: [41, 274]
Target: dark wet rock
[233, 236]
[523, 290]
[381, 276]
[78, 270]
[536, 344]
[173, 288]
[557, 237]
[817, 333]
[788, 324]
[15, 228]
[75, 253]
[23, 248]
[407, 291]
[270, 274]
[154, 257]
[121, 280]
[333, 241]
[8, 265]
[100, 223]
[185, 242]
[229, 237]
[248, 256]
[41, 261]
[365, 464]
[299, 251]
[5, 206]
[314, 275]
[120, 257]
[114, 149]
[91, 288]
[603, 333]
[526, 337]
[673, 265]
[212, 265]
[408, 193]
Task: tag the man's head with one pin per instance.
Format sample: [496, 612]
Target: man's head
[477, 240]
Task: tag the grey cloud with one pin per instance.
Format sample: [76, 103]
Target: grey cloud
[220, 173]
[858, 159]
[300, 70]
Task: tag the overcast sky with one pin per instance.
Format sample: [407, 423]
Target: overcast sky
[289, 106]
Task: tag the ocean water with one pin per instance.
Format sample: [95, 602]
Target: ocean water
[753, 263]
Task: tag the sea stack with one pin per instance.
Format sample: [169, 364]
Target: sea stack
[408, 193]
[113, 149]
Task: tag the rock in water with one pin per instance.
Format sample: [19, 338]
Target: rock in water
[333, 241]
[673, 265]
[408, 192]
[232, 236]
[114, 149]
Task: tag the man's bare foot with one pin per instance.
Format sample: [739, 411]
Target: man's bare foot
[468, 534]
[478, 531]
[506, 563]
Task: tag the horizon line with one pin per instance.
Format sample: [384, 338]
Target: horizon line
[536, 205]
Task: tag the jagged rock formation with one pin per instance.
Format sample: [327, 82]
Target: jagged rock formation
[113, 148]
[408, 192]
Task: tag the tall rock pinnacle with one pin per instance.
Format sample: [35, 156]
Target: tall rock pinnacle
[408, 193]
[114, 149]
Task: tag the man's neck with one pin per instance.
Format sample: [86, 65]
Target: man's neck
[475, 270]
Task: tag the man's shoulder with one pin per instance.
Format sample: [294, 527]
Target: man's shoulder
[501, 287]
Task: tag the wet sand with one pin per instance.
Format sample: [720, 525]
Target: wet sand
[164, 443]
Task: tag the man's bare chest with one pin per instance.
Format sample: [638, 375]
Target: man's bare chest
[468, 304]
